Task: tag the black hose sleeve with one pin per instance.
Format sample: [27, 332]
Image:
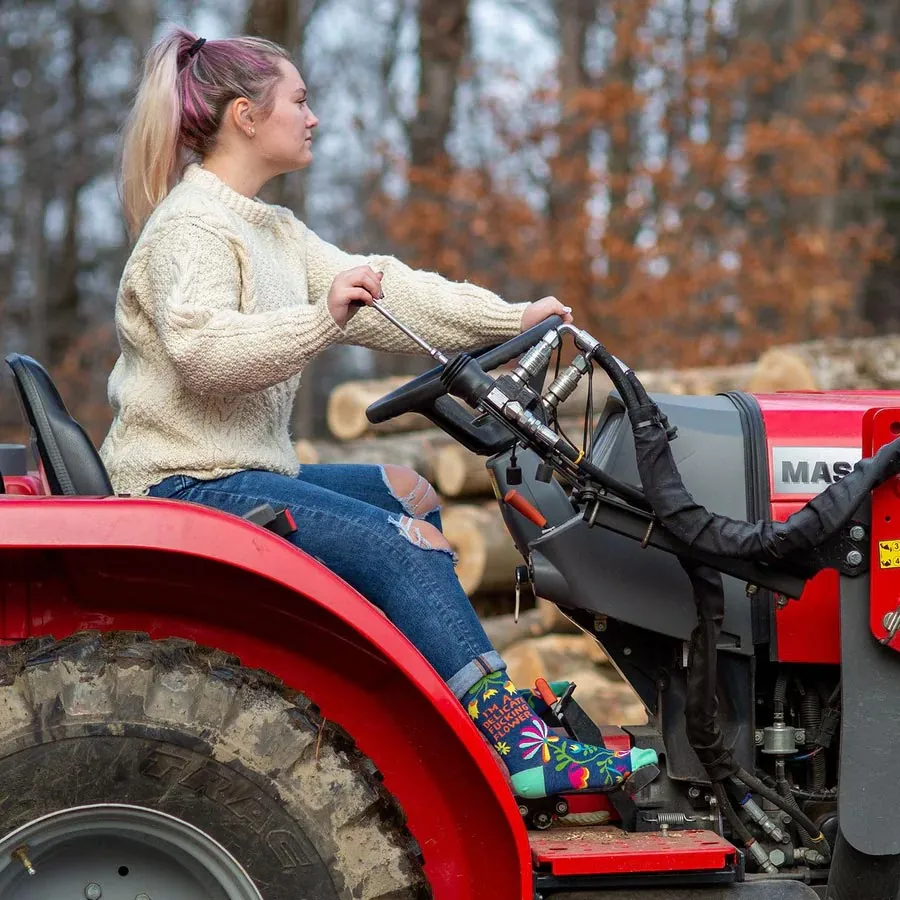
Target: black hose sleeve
[784, 789]
[701, 703]
[779, 695]
[827, 794]
[811, 720]
[765, 541]
[819, 841]
[617, 375]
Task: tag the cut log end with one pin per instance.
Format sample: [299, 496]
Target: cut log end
[487, 555]
[459, 472]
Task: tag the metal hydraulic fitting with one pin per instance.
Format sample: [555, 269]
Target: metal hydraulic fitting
[758, 852]
[813, 857]
[564, 384]
[536, 358]
[758, 814]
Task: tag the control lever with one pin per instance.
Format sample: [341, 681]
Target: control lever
[431, 351]
[557, 704]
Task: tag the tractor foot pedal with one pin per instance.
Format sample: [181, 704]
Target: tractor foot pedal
[542, 812]
[637, 781]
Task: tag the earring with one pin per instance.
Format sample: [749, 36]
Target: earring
[252, 132]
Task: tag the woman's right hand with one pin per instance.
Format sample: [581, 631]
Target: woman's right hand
[351, 289]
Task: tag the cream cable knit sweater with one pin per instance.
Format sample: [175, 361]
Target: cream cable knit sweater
[221, 305]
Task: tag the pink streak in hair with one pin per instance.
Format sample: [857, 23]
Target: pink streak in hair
[197, 123]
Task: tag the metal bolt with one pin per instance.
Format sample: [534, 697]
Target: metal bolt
[523, 811]
[854, 558]
[21, 854]
[562, 808]
[890, 620]
[93, 891]
[693, 793]
[777, 857]
[800, 735]
[626, 651]
[857, 533]
[781, 601]
[599, 623]
[758, 737]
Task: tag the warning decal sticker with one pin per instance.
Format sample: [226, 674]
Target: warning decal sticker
[889, 554]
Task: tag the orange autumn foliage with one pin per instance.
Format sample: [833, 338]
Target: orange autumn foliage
[755, 223]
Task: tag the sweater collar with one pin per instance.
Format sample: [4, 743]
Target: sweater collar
[255, 211]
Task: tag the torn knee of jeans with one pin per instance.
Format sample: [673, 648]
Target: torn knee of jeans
[420, 498]
[417, 531]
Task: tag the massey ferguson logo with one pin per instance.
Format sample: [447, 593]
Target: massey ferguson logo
[809, 470]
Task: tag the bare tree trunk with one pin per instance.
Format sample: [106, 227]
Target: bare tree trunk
[284, 22]
[64, 325]
[624, 139]
[443, 39]
[880, 293]
[443, 43]
[570, 176]
[36, 248]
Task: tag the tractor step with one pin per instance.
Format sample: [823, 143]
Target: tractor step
[606, 856]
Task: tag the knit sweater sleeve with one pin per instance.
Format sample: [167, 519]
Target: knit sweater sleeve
[449, 315]
[195, 298]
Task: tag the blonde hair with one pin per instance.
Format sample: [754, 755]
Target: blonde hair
[179, 107]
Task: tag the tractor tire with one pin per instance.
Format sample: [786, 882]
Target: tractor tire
[173, 730]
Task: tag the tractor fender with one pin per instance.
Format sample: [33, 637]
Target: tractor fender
[171, 568]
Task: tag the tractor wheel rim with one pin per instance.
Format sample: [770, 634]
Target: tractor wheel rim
[114, 851]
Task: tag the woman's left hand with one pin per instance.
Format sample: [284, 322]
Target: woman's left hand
[542, 309]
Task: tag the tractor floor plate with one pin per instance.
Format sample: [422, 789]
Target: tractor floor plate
[606, 850]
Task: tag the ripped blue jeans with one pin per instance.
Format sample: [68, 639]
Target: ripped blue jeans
[349, 518]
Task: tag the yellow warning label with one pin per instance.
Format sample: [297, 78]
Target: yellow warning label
[889, 554]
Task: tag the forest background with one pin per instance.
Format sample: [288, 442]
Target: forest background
[699, 179]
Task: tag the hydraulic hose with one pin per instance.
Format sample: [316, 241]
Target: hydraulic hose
[764, 541]
[827, 794]
[783, 787]
[701, 703]
[819, 841]
[739, 829]
[811, 720]
[779, 695]
[619, 376]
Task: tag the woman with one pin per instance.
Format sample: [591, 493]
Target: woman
[225, 299]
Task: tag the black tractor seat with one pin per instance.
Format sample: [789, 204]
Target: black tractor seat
[69, 460]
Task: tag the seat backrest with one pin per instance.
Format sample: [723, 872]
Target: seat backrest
[70, 462]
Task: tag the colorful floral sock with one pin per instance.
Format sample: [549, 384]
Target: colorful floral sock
[541, 763]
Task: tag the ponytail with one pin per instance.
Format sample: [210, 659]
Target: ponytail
[177, 110]
[150, 148]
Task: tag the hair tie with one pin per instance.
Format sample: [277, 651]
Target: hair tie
[195, 47]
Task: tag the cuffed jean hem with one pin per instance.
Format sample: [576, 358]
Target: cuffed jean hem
[482, 665]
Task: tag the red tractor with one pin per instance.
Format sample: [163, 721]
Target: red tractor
[190, 707]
